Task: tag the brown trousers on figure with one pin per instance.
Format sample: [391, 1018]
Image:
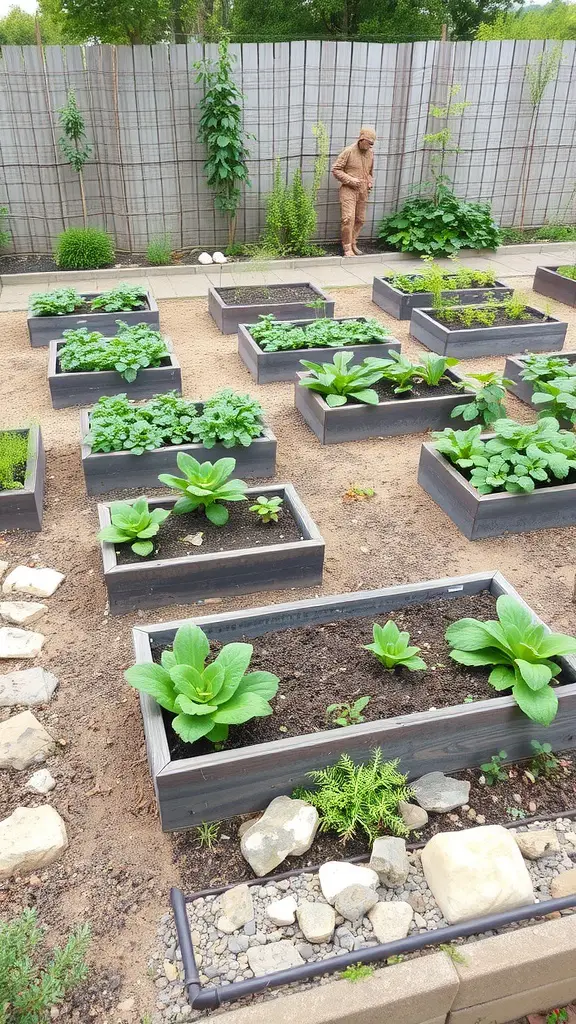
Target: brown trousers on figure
[353, 213]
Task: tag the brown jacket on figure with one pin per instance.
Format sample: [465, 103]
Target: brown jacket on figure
[353, 169]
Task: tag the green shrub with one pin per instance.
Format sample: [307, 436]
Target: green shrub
[13, 455]
[4, 234]
[440, 225]
[28, 991]
[84, 249]
[291, 208]
[568, 271]
[159, 251]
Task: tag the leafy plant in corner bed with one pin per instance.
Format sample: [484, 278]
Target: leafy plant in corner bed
[493, 328]
[399, 294]
[551, 378]
[557, 283]
[230, 307]
[475, 627]
[127, 445]
[203, 548]
[383, 397]
[22, 475]
[51, 313]
[271, 348]
[522, 477]
[86, 365]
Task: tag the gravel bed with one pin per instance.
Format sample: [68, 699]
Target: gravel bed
[222, 959]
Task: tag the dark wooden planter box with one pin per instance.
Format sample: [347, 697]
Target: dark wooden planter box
[394, 417]
[547, 281]
[229, 317]
[44, 329]
[86, 387]
[491, 515]
[21, 509]
[469, 342]
[148, 584]
[111, 471]
[269, 366]
[228, 782]
[400, 305]
[524, 389]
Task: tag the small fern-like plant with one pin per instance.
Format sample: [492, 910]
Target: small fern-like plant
[353, 798]
[13, 455]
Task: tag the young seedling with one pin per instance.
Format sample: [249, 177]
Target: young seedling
[267, 509]
[516, 813]
[356, 493]
[134, 524]
[493, 771]
[208, 834]
[205, 486]
[391, 647]
[544, 762]
[347, 714]
[453, 952]
[357, 972]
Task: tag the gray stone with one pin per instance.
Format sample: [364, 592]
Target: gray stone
[237, 909]
[250, 928]
[276, 956]
[282, 912]
[355, 901]
[317, 921]
[389, 860]
[29, 686]
[38, 582]
[536, 844]
[335, 876]
[245, 825]
[345, 938]
[305, 950]
[286, 828]
[19, 643]
[24, 741]
[31, 838]
[563, 884]
[391, 920]
[22, 613]
[414, 817]
[41, 782]
[440, 793]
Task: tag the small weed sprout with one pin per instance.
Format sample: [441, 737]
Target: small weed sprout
[267, 509]
[516, 813]
[347, 714]
[356, 493]
[493, 771]
[544, 762]
[208, 834]
[453, 953]
[357, 972]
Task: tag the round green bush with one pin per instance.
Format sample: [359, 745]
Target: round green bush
[84, 249]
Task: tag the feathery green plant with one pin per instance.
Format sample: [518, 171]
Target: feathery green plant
[13, 455]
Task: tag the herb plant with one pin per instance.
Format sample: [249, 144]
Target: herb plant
[57, 303]
[338, 382]
[13, 456]
[205, 698]
[347, 714]
[229, 419]
[133, 523]
[291, 207]
[280, 336]
[28, 989]
[159, 251]
[132, 349]
[436, 280]
[521, 651]
[84, 249]
[208, 834]
[351, 798]
[489, 394]
[267, 509]
[205, 486]
[392, 648]
[493, 771]
[568, 271]
[121, 299]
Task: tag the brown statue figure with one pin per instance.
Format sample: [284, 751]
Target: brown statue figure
[353, 168]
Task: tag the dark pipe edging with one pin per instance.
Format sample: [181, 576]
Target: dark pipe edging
[202, 999]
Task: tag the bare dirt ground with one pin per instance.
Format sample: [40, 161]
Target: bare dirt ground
[119, 866]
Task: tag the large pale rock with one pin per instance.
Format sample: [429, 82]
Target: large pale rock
[28, 686]
[24, 741]
[317, 921]
[237, 909]
[355, 901]
[438, 792]
[41, 782]
[336, 875]
[31, 838]
[219, 257]
[274, 956]
[282, 912]
[205, 258]
[391, 921]
[19, 643]
[476, 872]
[287, 828]
[563, 884]
[536, 844]
[22, 613]
[414, 817]
[38, 582]
[389, 860]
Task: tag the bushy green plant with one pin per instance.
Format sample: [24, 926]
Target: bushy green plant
[489, 394]
[558, 396]
[276, 336]
[354, 798]
[392, 648]
[543, 761]
[132, 349]
[121, 299]
[29, 985]
[568, 271]
[59, 302]
[133, 523]
[522, 652]
[205, 698]
[338, 382]
[159, 251]
[116, 424]
[267, 509]
[84, 249]
[493, 771]
[439, 225]
[291, 208]
[5, 235]
[538, 367]
[437, 280]
[13, 455]
[467, 316]
[229, 419]
[461, 446]
[205, 486]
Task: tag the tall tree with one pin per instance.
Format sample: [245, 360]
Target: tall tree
[123, 21]
[556, 20]
[18, 28]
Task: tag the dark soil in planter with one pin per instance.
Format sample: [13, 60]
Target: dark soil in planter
[385, 389]
[501, 320]
[258, 295]
[323, 665]
[243, 530]
[224, 863]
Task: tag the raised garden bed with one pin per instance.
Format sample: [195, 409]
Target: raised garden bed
[547, 281]
[219, 784]
[111, 471]
[291, 554]
[426, 408]
[401, 304]
[85, 387]
[231, 306]
[491, 515]
[44, 329]
[269, 366]
[546, 334]
[21, 507]
[524, 389]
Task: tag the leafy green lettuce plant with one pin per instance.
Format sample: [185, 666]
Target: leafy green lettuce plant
[133, 523]
[229, 419]
[280, 336]
[205, 698]
[338, 382]
[538, 368]
[59, 302]
[558, 396]
[489, 394]
[132, 349]
[392, 648]
[267, 509]
[121, 299]
[205, 486]
[521, 651]
[462, 447]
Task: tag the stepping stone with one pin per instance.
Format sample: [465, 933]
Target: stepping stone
[19, 643]
[27, 686]
[22, 613]
[38, 582]
[438, 792]
[31, 838]
[41, 782]
[24, 741]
